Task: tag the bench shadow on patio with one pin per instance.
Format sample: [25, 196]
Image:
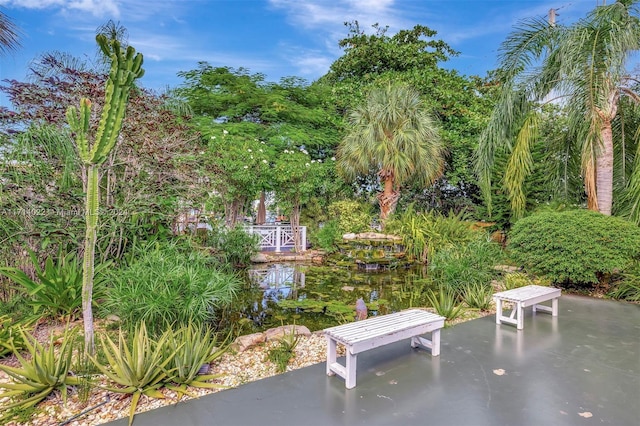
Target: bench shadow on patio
[581, 367]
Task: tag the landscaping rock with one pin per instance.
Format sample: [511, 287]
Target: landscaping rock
[242, 343]
[279, 332]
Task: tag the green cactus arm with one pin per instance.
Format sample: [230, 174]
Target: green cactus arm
[79, 124]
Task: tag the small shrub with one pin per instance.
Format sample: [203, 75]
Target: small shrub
[351, 216]
[169, 285]
[57, 291]
[477, 296]
[445, 302]
[327, 236]
[577, 246]
[466, 264]
[233, 247]
[45, 370]
[515, 280]
[629, 287]
[284, 351]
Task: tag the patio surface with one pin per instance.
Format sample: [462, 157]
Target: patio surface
[580, 368]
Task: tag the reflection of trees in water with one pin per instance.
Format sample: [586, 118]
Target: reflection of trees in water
[383, 292]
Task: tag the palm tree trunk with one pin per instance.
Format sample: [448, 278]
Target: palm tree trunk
[388, 198]
[604, 169]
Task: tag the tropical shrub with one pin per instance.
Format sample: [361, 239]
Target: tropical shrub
[233, 247]
[578, 246]
[424, 234]
[327, 236]
[629, 287]
[138, 367]
[169, 284]
[351, 216]
[45, 370]
[516, 279]
[468, 264]
[57, 291]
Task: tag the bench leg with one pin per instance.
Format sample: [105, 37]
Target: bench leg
[435, 342]
[554, 307]
[350, 380]
[498, 310]
[331, 355]
[519, 315]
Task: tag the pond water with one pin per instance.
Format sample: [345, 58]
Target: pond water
[322, 296]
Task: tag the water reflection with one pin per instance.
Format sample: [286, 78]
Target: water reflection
[322, 296]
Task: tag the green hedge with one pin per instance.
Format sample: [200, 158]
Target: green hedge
[577, 246]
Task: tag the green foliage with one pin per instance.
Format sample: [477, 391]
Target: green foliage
[138, 367]
[328, 236]
[45, 370]
[467, 264]
[57, 291]
[579, 247]
[424, 234]
[445, 302]
[352, 216]
[629, 287]
[11, 336]
[477, 295]
[194, 346]
[169, 284]
[233, 246]
[284, 351]
[515, 279]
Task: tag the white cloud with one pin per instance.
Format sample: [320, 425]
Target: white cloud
[98, 8]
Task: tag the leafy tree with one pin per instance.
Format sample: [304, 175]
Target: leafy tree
[585, 66]
[460, 104]
[393, 133]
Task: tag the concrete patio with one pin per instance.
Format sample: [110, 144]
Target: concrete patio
[580, 368]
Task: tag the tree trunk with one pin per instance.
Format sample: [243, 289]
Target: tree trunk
[295, 227]
[388, 199]
[262, 210]
[604, 169]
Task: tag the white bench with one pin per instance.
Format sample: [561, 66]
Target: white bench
[373, 332]
[531, 295]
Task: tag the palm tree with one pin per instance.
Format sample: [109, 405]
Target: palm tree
[392, 133]
[582, 67]
[8, 35]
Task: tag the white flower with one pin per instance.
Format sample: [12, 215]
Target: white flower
[246, 167]
[333, 158]
[252, 157]
[201, 152]
[264, 161]
[224, 132]
[313, 161]
[249, 149]
[262, 142]
[213, 137]
[307, 164]
[286, 151]
[319, 160]
[260, 150]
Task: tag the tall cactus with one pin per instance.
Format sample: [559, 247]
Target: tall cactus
[126, 66]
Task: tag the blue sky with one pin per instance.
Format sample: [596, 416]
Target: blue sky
[275, 37]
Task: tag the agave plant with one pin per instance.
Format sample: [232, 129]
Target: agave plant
[11, 339]
[477, 296]
[194, 347]
[139, 369]
[44, 371]
[444, 302]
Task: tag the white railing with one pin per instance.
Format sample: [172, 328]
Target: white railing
[278, 237]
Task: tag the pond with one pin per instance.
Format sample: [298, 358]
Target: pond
[322, 296]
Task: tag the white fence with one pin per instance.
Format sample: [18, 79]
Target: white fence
[277, 237]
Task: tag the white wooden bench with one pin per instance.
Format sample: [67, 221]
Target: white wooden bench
[531, 295]
[373, 332]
